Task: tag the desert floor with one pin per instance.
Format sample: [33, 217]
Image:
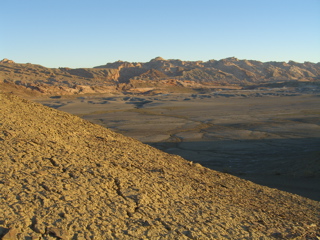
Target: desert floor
[268, 139]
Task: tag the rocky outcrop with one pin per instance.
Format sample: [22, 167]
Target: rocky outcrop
[152, 74]
[5, 60]
[246, 71]
[61, 81]
[120, 64]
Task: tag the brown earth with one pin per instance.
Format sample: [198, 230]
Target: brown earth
[268, 137]
[63, 177]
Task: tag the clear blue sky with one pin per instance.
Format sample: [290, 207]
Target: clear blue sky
[87, 33]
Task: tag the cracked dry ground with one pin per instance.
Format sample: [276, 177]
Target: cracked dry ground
[62, 177]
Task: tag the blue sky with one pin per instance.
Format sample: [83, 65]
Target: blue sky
[87, 33]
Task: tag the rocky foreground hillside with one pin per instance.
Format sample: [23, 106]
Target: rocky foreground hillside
[157, 73]
[62, 177]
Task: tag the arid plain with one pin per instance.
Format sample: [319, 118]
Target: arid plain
[269, 137]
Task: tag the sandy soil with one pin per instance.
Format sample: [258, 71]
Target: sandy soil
[62, 177]
[271, 139]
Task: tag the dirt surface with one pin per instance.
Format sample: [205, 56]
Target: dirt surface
[63, 177]
[269, 137]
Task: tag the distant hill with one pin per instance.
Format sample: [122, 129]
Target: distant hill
[123, 76]
[62, 177]
[229, 70]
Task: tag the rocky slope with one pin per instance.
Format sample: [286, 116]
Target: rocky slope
[229, 70]
[123, 76]
[62, 177]
[59, 81]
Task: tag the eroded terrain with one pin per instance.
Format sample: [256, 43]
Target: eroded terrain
[62, 177]
[271, 138]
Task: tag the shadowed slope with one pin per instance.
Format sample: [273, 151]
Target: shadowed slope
[62, 177]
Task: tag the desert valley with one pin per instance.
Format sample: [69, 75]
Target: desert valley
[167, 149]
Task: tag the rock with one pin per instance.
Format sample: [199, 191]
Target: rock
[187, 74]
[38, 226]
[11, 234]
[59, 233]
[5, 60]
[157, 59]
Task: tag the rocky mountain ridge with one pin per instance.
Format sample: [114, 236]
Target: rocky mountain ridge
[123, 76]
[230, 70]
[62, 177]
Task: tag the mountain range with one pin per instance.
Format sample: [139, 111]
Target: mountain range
[157, 73]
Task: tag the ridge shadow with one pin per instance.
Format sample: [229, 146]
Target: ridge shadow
[291, 165]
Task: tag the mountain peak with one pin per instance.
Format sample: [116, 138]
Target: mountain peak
[157, 59]
[232, 59]
[6, 60]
